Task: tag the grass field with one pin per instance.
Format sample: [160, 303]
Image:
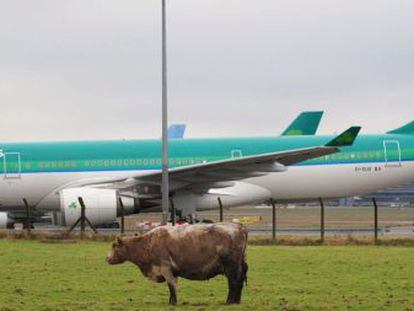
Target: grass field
[41, 276]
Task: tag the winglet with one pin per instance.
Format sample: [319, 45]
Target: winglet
[347, 138]
[176, 131]
[407, 129]
[306, 123]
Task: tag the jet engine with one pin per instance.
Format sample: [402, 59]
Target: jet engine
[102, 206]
[239, 193]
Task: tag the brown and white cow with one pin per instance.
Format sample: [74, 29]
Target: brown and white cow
[198, 252]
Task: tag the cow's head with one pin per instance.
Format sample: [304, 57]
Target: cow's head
[119, 252]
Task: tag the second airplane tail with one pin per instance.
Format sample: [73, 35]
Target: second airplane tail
[306, 123]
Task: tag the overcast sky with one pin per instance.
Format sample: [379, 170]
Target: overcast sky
[83, 69]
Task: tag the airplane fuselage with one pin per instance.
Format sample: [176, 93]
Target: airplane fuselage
[38, 171]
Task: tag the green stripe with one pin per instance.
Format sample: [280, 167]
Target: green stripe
[146, 154]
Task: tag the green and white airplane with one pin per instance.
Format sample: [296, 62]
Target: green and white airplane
[52, 175]
[305, 124]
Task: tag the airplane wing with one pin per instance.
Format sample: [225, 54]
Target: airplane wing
[235, 168]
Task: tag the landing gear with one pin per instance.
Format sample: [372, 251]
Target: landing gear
[27, 226]
[114, 225]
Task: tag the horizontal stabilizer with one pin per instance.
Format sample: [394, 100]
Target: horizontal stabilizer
[306, 123]
[407, 129]
[347, 138]
[176, 131]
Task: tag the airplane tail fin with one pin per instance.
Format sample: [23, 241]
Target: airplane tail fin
[347, 138]
[407, 129]
[306, 123]
[176, 131]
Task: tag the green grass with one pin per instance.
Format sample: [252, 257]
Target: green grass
[41, 276]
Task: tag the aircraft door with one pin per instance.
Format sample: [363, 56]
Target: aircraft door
[236, 153]
[11, 165]
[392, 153]
[2, 161]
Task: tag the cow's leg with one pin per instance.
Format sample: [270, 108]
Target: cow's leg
[172, 284]
[237, 291]
[236, 275]
[231, 287]
[235, 284]
[173, 293]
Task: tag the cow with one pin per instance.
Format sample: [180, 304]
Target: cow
[194, 252]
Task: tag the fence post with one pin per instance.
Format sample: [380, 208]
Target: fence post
[82, 219]
[172, 211]
[375, 219]
[273, 220]
[28, 216]
[121, 205]
[322, 220]
[220, 209]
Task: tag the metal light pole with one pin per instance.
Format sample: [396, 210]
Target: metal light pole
[165, 187]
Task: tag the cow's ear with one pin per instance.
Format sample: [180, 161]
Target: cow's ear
[119, 240]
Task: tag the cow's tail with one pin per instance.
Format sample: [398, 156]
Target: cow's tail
[245, 268]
